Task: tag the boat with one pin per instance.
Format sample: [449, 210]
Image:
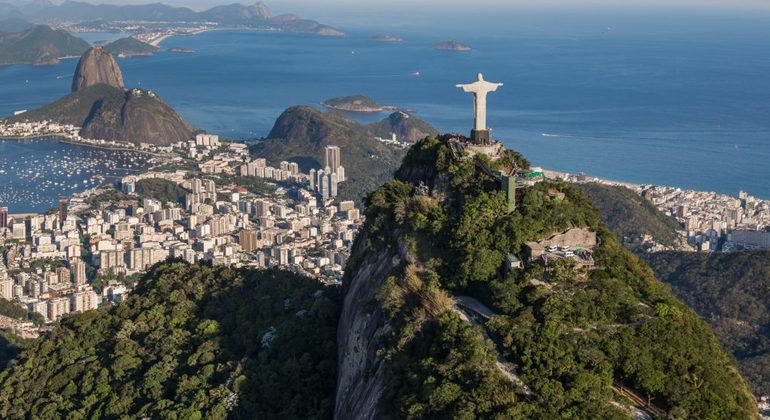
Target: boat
[417, 73]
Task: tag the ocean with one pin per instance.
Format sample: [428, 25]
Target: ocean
[667, 97]
[34, 173]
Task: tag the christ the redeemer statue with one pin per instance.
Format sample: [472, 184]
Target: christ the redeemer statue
[480, 88]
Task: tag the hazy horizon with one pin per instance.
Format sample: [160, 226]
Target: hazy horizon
[293, 6]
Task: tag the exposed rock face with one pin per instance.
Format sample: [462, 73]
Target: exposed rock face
[97, 66]
[361, 376]
[361, 372]
[143, 117]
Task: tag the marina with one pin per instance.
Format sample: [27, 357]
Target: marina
[35, 172]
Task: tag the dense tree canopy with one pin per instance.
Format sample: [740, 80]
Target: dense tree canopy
[190, 342]
[572, 333]
[732, 292]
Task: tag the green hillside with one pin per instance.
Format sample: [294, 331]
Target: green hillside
[301, 133]
[407, 127]
[11, 25]
[39, 45]
[732, 292]
[75, 107]
[131, 46]
[570, 333]
[191, 342]
[629, 216]
[353, 103]
[106, 112]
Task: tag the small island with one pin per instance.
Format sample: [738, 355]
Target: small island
[129, 47]
[385, 38]
[451, 45]
[181, 50]
[355, 103]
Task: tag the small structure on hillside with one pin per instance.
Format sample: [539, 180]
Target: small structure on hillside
[577, 243]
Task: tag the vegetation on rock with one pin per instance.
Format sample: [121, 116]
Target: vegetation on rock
[39, 45]
[571, 333]
[301, 133]
[732, 292]
[131, 46]
[630, 216]
[355, 103]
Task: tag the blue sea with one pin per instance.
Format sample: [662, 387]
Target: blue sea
[662, 96]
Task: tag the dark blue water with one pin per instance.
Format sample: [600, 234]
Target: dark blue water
[35, 172]
[660, 97]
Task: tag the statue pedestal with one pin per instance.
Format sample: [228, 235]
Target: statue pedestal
[480, 137]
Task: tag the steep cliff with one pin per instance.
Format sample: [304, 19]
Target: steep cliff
[97, 66]
[440, 321]
[140, 116]
[105, 110]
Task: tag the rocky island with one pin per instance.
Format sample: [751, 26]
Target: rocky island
[385, 38]
[129, 47]
[451, 45]
[354, 103]
[181, 50]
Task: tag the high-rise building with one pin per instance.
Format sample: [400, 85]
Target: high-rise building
[3, 217]
[323, 185]
[62, 211]
[332, 158]
[78, 269]
[333, 185]
[63, 275]
[84, 301]
[58, 307]
[6, 289]
[248, 240]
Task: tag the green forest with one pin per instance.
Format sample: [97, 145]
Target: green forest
[732, 292]
[572, 333]
[191, 342]
[629, 216]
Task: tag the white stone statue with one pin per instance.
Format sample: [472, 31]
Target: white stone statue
[480, 89]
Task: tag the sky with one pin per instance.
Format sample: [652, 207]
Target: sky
[285, 6]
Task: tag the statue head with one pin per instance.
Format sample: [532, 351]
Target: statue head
[480, 77]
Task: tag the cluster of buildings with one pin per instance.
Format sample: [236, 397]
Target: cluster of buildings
[715, 221]
[50, 261]
[38, 129]
[710, 221]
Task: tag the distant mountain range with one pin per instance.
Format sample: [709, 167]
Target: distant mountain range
[256, 15]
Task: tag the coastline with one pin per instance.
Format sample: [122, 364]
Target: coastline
[155, 41]
[61, 139]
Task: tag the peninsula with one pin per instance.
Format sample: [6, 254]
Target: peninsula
[451, 45]
[39, 46]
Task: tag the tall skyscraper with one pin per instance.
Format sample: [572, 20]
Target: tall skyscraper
[333, 158]
[312, 180]
[333, 185]
[3, 217]
[62, 211]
